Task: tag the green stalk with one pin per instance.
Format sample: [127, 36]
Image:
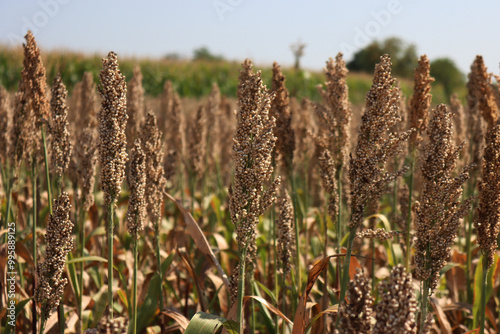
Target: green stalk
[158, 261]
[408, 218]
[60, 317]
[424, 305]
[35, 213]
[483, 294]
[134, 289]
[283, 301]
[241, 289]
[81, 246]
[347, 263]
[110, 209]
[296, 210]
[339, 218]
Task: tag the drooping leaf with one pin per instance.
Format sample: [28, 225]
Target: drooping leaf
[299, 323]
[206, 323]
[478, 286]
[150, 305]
[200, 240]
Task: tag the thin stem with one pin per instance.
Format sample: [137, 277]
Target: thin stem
[110, 255]
[408, 218]
[81, 246]
[297, 218]
[347, 263]
[424, 305]
[483, 294]
[241, 289]
[35, 213]
[339, 214]
[60, 317]
[134, 289]
[158, 261]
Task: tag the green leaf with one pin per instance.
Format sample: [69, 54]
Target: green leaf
[72, 274]
[202, 323]
[91, 258]
[148, 308]
[19, 308]
[267, 291]
[166, 264]
[101, 301]
[478, 286]
[95, 232]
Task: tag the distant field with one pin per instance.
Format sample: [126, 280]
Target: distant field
[190, 78]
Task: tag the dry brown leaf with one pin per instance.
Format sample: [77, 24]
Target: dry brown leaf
[299, 323]
[201, 296]
[181, 320]
[200, 240]
[444, 324]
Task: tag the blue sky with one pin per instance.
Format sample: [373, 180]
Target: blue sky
[261, 30]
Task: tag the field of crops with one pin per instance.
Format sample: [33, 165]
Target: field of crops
[256, 203]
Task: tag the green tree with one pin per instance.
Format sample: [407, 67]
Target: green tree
[403, 56]
[448, 75]
[203, 53]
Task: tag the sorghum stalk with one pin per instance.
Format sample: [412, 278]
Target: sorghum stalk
[252, 151]
[439, 210]
[367, 175]
[418, 112]
[112, 147]
[136, 212]
[49, 283]
[487, 222]
[153, 148]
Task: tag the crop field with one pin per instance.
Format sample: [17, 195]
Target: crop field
[280, 201]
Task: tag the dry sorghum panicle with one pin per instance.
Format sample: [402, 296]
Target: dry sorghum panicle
[368, 179]
[487, 222]
[214, 140]
[5, 123]
[86, 160]
[457, 110]
[61, 147]
[404, 207]
[485, 95]
[285, 228]
[136, 210]
[151, 141]
[475, 123]
[88, 101]
[335, 113]
[329, 181]
[84, 129]
[280, 110]
[135, 105]
[439, 211]
[356, 313]
[420, 102]
[395, 313]
[174, 126]
[166, 101]
[58, 237]
[379, 233]
[112, 123]
[23, 133]
[197, 143]
[253, 145]
[37, 79]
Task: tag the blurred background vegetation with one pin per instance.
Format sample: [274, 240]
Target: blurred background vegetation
[194, 77]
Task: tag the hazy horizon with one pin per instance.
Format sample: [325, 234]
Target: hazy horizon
[262, 31]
